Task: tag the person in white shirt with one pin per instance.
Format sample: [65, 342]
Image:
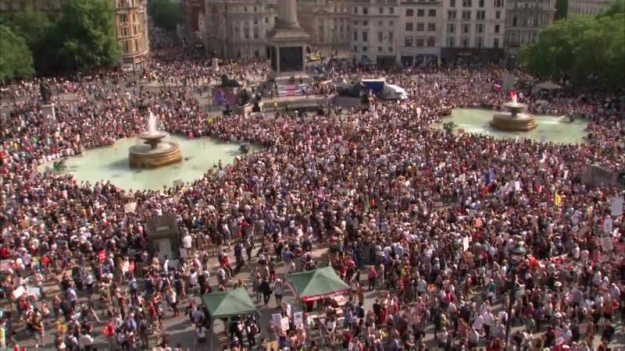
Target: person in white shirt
[489, 321]
[478, 323]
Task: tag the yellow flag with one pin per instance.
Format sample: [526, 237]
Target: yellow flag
[557, 200]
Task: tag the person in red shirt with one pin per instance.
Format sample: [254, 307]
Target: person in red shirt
[347, 338]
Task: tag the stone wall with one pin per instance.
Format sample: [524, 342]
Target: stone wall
[596, 175]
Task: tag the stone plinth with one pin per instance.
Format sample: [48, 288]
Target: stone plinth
[287, 43]
[514, 120]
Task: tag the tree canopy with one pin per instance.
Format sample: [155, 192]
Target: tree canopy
[86, 33]
[82, 38]
[588, 50]
[16, 60]
[166, 14]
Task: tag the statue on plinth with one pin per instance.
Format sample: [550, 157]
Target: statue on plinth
[46, 92]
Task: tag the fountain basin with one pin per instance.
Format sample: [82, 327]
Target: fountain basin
[510, 122]
[151, 155]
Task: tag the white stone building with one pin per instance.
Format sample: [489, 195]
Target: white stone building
[473, 30]
[238, 28]
[375, 31]
[421, 31]
[588, 7]
[525, 19]
[328, 22]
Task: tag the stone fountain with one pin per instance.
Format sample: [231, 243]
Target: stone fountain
[154, 152]
[514, 120]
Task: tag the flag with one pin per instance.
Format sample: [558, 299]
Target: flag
[557, 199]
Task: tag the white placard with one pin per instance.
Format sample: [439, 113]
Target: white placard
[36, 292]
[284, 323]
[130, 208]
[17, 293]
[276, 319]
[616, 207]
[465, 243]
[298, 319]
[606, 244]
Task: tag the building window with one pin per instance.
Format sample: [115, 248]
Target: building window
[480, 15]
[355, 48]
[126, 46]
[479, 42]
[365, 11]
[451, 14]
[355, 36]
[499, 3]
[123, 18]
[466, 15]
[496, 43]
[452, 3]
[380, 49]
[420, 42]
[451, 28]
[431, 41]
[464, 41]
[465, 28]
[409, 12]
[479, 28]
[431, 13]
[408, 41]
[420, 27]
[355, 13]
[365, 36]
[466, 3]
[380, 23]
[365, 23]
[391, 10]
[514, 21]
[364, 49]
[380, 36]
[496, 29]
[390, 36]
[381, 11]
[266, 19]
[431, 27]
[480, 3]
[409, 27]
[421, 13]
[451, 41]
[497, 14]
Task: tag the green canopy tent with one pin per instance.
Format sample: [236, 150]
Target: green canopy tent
[221, 305]
[316, 284]
[229, 303]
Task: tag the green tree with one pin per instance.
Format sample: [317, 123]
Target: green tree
[16, 60]
[40, 35]
[166, 14]
[588, 50]
[86, 36]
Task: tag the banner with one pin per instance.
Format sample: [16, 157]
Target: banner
[222, 96]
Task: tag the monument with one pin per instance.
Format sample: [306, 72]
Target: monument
[514, 120]
[155, 152]
[287, 43]
[47, 107]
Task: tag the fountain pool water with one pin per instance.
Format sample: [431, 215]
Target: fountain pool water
[549, 129]
[111, 163]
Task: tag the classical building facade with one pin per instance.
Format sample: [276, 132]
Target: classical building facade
[328, 22]
[195, 15]
[238, 28]
[525, 19]
[375, 31]
[473, 30]
[131, 21]
[421, 31]
[588, 7]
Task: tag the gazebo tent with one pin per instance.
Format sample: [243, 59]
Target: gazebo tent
[229, 303]
[316, 284]
[548, 85]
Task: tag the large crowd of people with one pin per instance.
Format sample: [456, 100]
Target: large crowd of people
[428, 216]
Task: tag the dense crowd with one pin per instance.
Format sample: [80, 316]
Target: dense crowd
[432, 214]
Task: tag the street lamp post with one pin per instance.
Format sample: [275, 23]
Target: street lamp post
[517, 254]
